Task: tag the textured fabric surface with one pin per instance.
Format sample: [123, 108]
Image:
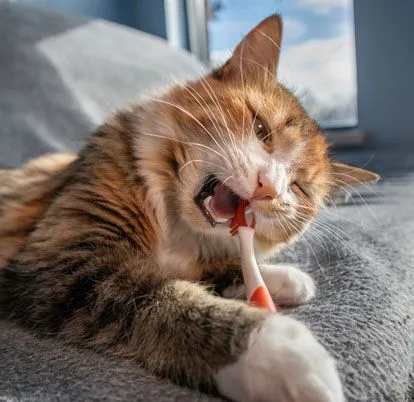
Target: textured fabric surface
[59, 76]
[41, 370]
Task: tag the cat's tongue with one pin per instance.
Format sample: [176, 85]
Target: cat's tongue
[223, 203]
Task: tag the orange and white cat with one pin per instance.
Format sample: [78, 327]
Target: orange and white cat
[126, 248]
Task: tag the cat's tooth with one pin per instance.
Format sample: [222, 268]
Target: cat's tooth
[206, 203]
[248, 210]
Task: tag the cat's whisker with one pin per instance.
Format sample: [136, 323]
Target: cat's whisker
[318, 225]
[207, 112]
[292, 224]
[290, 101]
[335, 235]
[211, 93]
[190, 115]
[196, 161]
[243, 88]
[336, 214]
[299, 230]
[269, 38]
[345, 186]
[267, 136]
[227, 179]
[256, 113]
[203, 183]
[319, 222]
[369, 160]
[325, 206]
[282, 108]
[292, 248]
[320, 237]
[260, 65]
[285, 231]
[359, 182]
[330, 229]
[273, 230]
[298, 226]
[251, 131]
[203, 146]
[193, 92]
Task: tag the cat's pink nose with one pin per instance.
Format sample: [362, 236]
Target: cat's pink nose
[265, 189]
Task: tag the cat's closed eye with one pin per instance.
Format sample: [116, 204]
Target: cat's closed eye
[290, 122]
[298, 186]
[261, 131]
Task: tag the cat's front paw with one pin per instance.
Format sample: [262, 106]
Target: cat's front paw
[283, 362]
[288, 285]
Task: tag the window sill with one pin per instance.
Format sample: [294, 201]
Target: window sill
[345, 137]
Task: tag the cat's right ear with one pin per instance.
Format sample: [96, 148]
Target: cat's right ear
[257, 54]
[344, 176]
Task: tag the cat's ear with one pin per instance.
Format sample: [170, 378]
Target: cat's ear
[344, 175]
[257, 54]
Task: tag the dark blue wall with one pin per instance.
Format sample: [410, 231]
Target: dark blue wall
[385, 71]
[150, 17]
[146, 15]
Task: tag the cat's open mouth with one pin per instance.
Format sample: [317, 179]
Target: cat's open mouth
[216, 201]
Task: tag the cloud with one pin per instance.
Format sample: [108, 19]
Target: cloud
[323, 71]
[323, 7]
[294, 29]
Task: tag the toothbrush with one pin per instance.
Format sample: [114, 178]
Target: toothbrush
[256, 290]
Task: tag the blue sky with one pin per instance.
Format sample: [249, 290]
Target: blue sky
[318, 19]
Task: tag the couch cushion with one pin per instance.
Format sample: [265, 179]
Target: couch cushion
[60, 76]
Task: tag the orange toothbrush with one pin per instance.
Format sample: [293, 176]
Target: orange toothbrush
[256, 290]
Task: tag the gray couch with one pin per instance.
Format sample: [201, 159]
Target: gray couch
[59, 77]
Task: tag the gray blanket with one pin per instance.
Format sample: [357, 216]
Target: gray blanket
[59, 76]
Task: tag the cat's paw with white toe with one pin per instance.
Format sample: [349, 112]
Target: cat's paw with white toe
[288, 285]
[283, 362]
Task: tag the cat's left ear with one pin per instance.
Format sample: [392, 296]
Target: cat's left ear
[257, 54]
[344, 175]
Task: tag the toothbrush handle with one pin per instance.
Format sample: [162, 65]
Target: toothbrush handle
[262, 298]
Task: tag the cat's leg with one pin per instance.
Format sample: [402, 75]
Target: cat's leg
[288, 285]
[179, 330]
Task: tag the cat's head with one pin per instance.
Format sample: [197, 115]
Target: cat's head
[236, 134]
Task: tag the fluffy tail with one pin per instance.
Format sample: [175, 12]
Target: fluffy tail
[25, 195]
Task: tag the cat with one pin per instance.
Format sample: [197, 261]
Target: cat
[125, 248]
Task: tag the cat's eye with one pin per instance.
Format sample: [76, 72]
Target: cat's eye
[261, 131]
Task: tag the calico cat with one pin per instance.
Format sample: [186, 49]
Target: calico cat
[126, 249]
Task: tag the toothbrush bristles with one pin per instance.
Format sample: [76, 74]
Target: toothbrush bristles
[239, 218]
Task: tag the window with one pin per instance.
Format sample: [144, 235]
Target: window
[318, 56]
